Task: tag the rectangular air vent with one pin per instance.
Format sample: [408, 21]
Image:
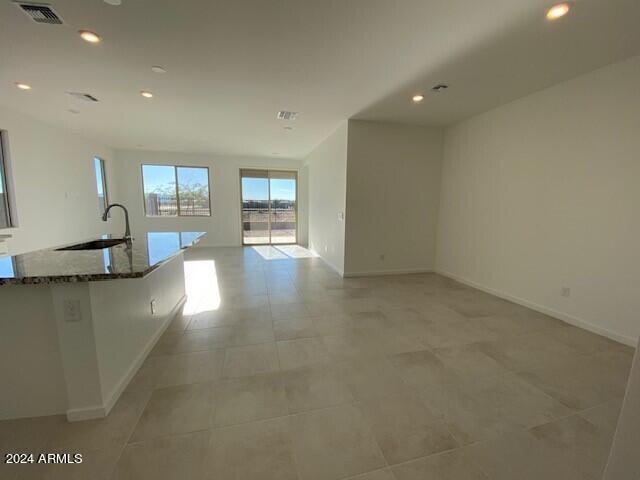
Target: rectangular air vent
[284, 115]
[83, 96]
[40, 13]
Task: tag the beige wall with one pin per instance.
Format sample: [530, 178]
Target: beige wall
[327, 173]
[393, 191]
[54, 184]
[543, 193]
[223, 226]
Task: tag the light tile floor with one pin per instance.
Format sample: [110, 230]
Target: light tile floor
[280, 369]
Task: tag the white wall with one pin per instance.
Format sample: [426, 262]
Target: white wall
[543, 193]
[53, 183]
[327, 175]
[393, 192]
[223, 226]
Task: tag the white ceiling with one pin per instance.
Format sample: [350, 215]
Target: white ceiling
[233, 64]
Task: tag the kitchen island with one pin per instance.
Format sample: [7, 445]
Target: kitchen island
[76, 324]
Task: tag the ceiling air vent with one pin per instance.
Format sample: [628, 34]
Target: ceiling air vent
[284, 115]
[83, 96]
[40, 13]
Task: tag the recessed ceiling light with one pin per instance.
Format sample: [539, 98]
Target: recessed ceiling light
[113, 2]
[23, 86]
[158, 69]
[557, 11]
[146, 94]
[288, 128]
[89, 36]
[418, 98]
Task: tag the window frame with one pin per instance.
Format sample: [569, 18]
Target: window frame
[175, 175]
[4, 179]
[103, 172]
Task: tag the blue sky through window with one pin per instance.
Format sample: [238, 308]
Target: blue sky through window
[188, 176]
[97, 163]
[159, 177]
[255, 188]
[258, 189]
[283, 189]
[156, 177]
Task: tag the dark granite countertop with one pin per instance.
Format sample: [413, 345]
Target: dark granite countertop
[148, 252]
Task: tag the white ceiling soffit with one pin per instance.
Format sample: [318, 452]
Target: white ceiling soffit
[232, 65]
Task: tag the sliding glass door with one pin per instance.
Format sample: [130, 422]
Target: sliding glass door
[283, 205]
[269, 206]
[255, 207]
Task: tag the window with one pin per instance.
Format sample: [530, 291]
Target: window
[171, 191]
[269, 206]
[5, 211]
[101, 184]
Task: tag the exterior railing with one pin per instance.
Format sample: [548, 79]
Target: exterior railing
[166, 205]
[258, 219]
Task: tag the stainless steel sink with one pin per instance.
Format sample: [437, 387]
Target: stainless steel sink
[95, 244]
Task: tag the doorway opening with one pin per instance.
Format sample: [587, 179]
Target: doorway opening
[269, 207]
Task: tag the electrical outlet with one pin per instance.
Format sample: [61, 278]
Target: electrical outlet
[565, 291]
[153, 306]
[72, 311]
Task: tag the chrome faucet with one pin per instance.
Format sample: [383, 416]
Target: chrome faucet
[127, 231]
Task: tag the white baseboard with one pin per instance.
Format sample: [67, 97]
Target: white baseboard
[86, 413]
[376, 273]
[101, 411]
[329, 264]
[372, 273]
[570, 319]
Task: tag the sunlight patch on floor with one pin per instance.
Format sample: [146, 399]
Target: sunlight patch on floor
[283, 252]
[296, 251]
[269, 253]
[201, 284]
